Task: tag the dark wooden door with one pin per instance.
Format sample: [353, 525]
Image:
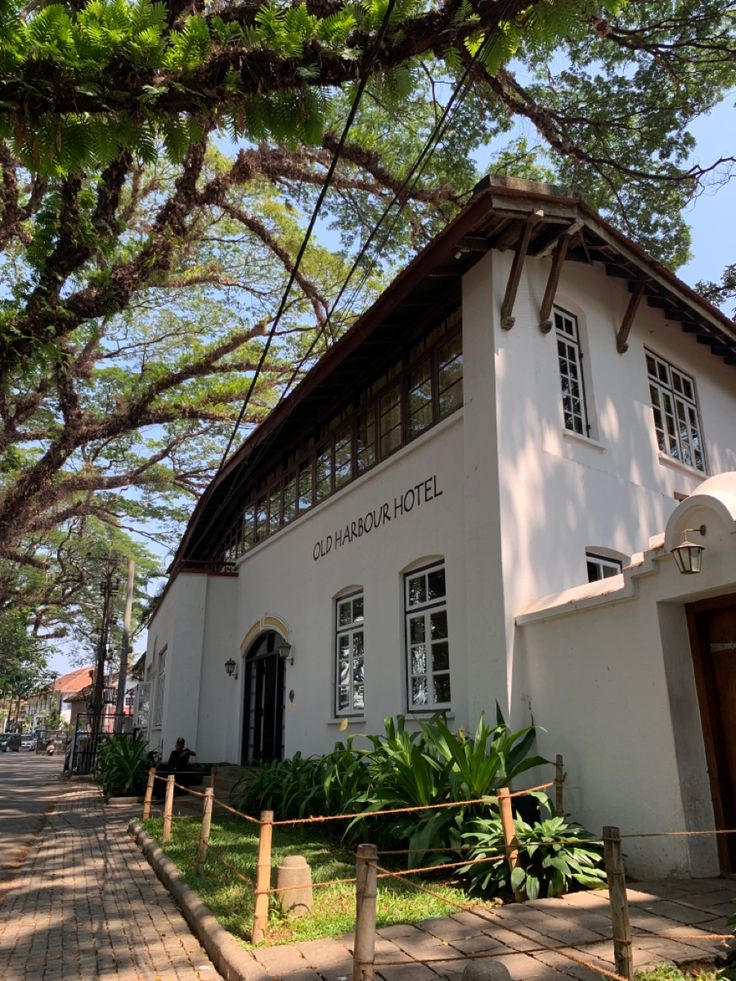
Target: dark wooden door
[263, 716]
[713, 641]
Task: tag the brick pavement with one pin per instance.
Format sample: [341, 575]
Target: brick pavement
[85, 904]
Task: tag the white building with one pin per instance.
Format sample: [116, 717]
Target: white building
[519, 413]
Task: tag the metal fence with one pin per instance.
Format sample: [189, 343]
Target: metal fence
[81, 751]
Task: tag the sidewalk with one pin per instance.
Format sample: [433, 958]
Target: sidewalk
[85, 904]
[671, 922]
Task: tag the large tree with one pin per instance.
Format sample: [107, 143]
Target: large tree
[23, 668]
[158, 162]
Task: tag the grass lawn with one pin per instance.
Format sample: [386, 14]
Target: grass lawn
[668, 972]
[231, 900]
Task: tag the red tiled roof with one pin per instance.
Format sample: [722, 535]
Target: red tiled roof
[75, 680]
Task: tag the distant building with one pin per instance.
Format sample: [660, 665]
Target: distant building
[471, 499]
[68, 687]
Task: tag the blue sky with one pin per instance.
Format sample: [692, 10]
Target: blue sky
[711, 214]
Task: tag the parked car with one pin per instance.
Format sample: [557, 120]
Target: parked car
[12, 742]
[29, 743]
[4, 737]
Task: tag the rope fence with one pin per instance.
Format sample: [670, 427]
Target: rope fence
[368, 872]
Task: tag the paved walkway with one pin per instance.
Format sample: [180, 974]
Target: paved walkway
[28, 789]
[671, 922]
[85, 904]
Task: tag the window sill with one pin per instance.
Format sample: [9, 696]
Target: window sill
[421, 715]
[585, 440]
[669, 461]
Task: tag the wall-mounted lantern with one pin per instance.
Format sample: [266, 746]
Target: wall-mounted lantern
[232, 668]
[687, 555]
[284, 651]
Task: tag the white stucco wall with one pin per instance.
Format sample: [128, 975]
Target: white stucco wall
[610, 677]
[282, 578]
[561, 493]
[515, 502]
[197, 613]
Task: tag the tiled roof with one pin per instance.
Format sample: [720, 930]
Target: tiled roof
[75, 680]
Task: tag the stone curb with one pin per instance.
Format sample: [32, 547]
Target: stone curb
[233, 963]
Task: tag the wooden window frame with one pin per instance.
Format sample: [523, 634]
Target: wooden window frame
[354, 627]
[425, 609]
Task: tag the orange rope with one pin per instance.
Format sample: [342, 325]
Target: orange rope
[490, 954]
[683, 936]
[532, 790]
[489, 798]
[672, 834]
[506, 926]
[194, 793]
[393, 810]
[232, 810]
[315, 885]
[173, 773]
[229, 865]
[447, 865]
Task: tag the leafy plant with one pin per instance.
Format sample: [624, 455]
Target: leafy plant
[303, 786]
[399, 769]
[554, 856]
[123, 764]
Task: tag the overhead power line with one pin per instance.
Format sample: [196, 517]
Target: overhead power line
[401, 196]
[312, 221]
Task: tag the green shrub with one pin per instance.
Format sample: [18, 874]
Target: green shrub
[396, 770]
[123, 764]
[554, 856]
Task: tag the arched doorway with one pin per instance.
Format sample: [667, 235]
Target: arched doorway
[263, 712]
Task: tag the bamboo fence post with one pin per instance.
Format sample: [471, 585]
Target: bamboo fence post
[364, 948]
[559, 786]
[619, 902]
[263, 878]
[149, 794]
[509, 833]
[168, 809]
[204, 834]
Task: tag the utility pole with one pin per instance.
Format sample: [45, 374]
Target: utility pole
[125, 647]
[108, 587]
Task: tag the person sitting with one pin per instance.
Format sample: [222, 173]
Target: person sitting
[179, 756]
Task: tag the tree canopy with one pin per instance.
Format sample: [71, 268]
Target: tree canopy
[158, 161]
[23, 667]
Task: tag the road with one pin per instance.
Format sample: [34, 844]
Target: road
[29, 785]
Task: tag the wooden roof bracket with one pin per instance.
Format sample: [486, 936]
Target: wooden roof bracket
[622, 337]
[522, 246]
[558, 260]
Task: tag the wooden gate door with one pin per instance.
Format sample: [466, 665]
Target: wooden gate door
[713, 641]
[263, 716]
